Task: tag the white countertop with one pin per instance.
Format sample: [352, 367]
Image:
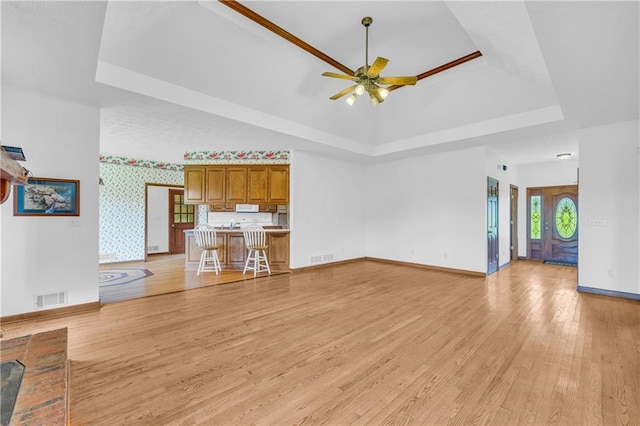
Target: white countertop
[239, 230]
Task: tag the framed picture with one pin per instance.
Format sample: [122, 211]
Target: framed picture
[47, 197]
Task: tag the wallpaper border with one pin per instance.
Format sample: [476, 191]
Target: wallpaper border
[204, 157]
[127, 161]
[237, 157]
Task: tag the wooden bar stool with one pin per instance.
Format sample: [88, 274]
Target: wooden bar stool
[206, 239]
[256, 241]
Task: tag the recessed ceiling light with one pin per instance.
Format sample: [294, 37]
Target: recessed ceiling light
[564, 155]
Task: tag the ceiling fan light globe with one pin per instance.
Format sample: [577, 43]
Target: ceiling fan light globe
[351, 100]
[383, 92]
[359, 89]
[374, 102]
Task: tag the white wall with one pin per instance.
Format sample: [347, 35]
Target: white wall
[554, 173]
[609, 190]
[158, 219]
[429, 210]
[327, 209]
[40, 254]
[505, 178]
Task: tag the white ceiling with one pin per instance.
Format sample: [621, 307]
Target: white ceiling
[184, 76]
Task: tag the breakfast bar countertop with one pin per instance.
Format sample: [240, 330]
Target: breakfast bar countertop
[268, 229]
[233, 252]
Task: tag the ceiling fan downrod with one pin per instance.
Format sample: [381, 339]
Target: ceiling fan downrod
[366, 21]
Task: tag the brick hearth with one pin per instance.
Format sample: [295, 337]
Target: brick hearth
[43, 393]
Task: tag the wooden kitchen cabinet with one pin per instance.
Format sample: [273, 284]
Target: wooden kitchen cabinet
[222, 187]
[268, 186]
[257, 191]
[278, 185]
[222, 207]
[194, 184]
[236, 185]
[236, 251]
[215, 185]
[271, 208]
[278, 252]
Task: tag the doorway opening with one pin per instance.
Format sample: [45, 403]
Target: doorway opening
[166, 218]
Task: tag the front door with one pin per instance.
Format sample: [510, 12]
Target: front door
[181, 218]
[513, 213]
[553, 224]
[492, 225]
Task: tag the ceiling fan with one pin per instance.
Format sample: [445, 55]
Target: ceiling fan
[367, 78]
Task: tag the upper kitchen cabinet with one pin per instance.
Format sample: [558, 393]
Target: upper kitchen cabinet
[222, 187]
[268, 185]
[216, 185]
[278, 185]
[258, 184]
[194, 184]
[236, 185]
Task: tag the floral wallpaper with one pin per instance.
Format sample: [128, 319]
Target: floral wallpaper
[122, 208]
[125, 161]
[236, 157]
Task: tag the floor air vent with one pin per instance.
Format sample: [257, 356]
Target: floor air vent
[50, 300]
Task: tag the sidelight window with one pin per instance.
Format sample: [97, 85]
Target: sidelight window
[536, 217]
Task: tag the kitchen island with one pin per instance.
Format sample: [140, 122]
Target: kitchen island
[233, 252]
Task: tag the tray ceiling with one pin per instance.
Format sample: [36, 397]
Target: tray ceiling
[220, 81]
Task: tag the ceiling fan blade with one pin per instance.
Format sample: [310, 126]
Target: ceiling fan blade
[336, 75]
[344, 92]
[400, 81]
[377, 66]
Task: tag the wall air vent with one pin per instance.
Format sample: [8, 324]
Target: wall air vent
[46, 301]
[107, 257]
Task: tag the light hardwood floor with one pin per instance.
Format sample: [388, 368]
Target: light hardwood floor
[169, 276]
[360, 343]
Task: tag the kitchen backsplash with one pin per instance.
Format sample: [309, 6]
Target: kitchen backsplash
[225, 218]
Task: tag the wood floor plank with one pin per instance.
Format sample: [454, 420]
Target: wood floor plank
[358, 343]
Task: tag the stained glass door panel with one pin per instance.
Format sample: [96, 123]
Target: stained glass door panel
[552, 228]
[535, 226]
[492, 226]
[563, 228]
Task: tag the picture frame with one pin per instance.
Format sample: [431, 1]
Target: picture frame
[47, 197]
